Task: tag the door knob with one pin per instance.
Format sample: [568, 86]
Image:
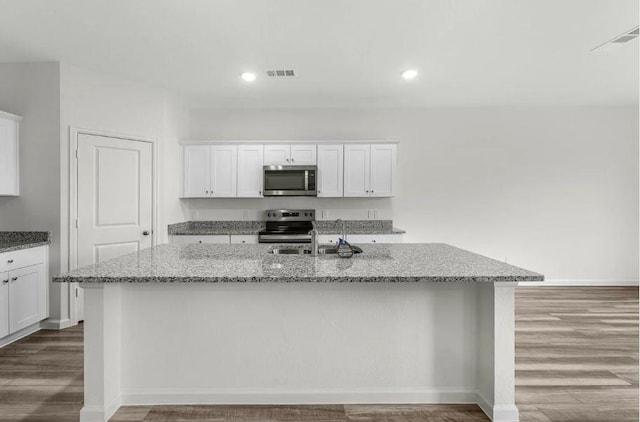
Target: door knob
[145, 233]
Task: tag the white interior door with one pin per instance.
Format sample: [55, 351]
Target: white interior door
[115, 198]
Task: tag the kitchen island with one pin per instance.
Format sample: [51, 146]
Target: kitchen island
[221, 324]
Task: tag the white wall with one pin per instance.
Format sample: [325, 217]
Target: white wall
[550, 189]
[31, 90]
[90, 100]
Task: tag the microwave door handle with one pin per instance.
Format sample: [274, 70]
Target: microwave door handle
[306, 180]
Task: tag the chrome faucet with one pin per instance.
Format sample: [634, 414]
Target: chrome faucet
[343, 230]
[314, 239]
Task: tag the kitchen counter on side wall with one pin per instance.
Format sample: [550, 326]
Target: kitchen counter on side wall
[204, 228]
[13, 241]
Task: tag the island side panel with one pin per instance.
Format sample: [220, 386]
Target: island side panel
[496, 351]
[299, 343]
[102, 351]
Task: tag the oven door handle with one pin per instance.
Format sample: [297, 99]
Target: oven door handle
[306, 180]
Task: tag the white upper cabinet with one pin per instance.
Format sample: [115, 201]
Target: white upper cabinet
[330, 170]
[224, 170]
[303, 154]
[210, 171]
[369, 170]
[357, 167]
[277, 154]
[9, 162]
[250, 174]
[290, 154]
[235, 170]
[383, 170]
[197, 159]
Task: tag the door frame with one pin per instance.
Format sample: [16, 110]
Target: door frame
[74, 133]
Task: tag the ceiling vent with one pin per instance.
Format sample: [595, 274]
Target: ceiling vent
[280, 73]
[619, 40]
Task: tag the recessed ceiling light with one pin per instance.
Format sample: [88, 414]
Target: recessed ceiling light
[409, 74]
[248, 76]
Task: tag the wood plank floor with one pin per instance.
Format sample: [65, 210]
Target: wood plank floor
[576, 360]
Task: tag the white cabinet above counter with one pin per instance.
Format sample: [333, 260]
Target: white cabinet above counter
[235, 169]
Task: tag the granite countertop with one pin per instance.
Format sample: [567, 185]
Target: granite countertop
[402, 262]
[13, 241]
[208, 228]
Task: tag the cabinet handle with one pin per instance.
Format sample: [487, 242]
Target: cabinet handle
[374, 241]
[292, 160]
[244, 241]
[259, 192]
[14, 278]
[10, 261]
[5, 281]
[287, 160]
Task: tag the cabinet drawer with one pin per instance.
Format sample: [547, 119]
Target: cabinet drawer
[216, 238]
[374, 238]
[244, 238]
[329, 238]
[22, 258]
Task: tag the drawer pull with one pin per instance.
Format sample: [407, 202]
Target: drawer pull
[10, 261]
[5, 281]
[14, 278]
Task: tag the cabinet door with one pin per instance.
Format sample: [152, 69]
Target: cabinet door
[330, 170]
[356, 170]
[196, 166]
[224, 170]
[303, 154]
[383, 170]
[250, 174]
[8, 157]
[25, 296]
[277, 154]
[4, 304]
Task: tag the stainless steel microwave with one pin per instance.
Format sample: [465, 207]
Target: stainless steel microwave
[290, 181]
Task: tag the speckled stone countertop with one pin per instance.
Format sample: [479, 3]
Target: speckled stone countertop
[403, 262]
[204, 228]
[13, 241]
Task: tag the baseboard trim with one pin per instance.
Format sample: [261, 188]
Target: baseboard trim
[580, 283]
[56, 324]
[98, 413]
[184, 397]
[19, 334]
[504, 413]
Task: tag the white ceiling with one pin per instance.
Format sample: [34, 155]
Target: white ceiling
[345, 52]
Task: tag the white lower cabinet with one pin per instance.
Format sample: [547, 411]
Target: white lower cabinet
[23, 289]
[27, 297]
[244, 238]
[4, 304]
[374, 238]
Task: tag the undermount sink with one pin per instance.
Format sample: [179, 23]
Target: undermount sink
[322, 250]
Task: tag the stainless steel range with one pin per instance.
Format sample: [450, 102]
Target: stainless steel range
[287, 226]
